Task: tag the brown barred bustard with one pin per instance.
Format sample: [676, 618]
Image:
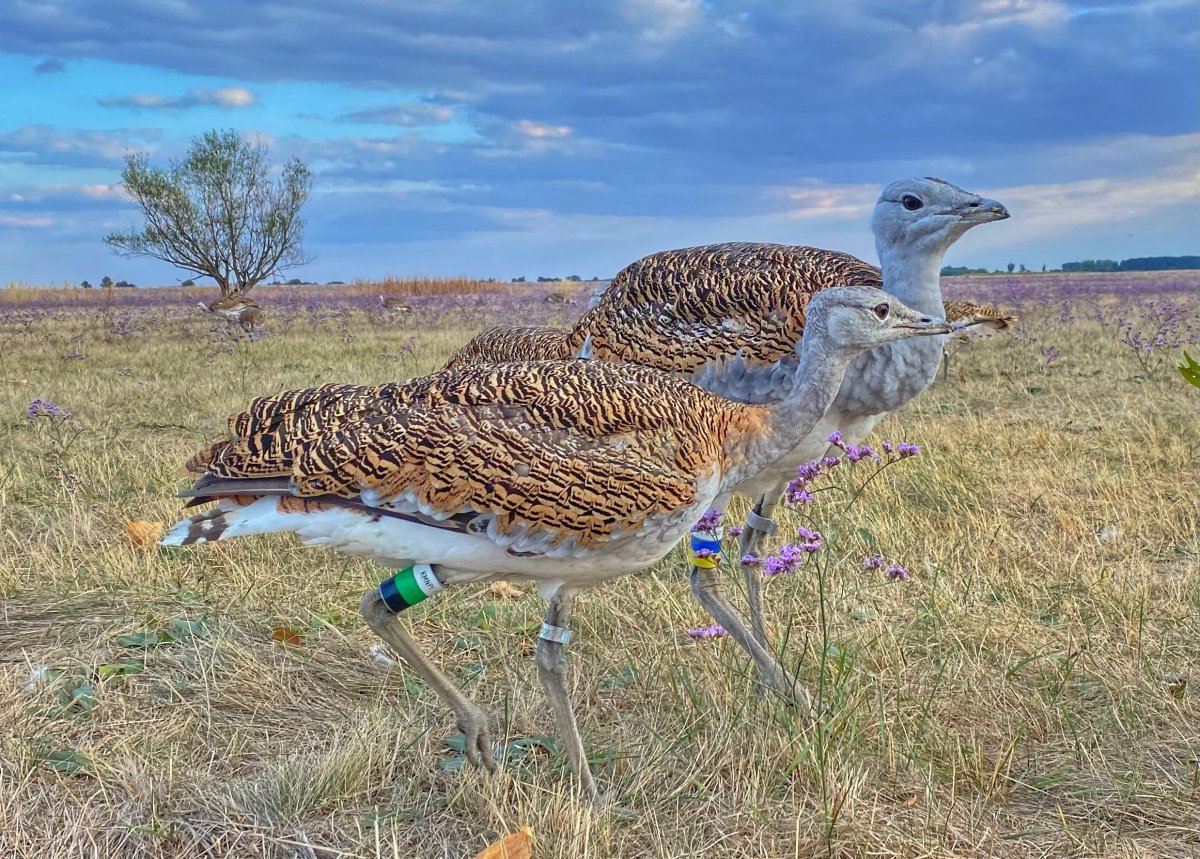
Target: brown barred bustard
[728, 318]
[566, 473]
[972, 313]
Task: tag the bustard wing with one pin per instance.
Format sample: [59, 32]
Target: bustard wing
[505, 343]
[679, 310]
[532, 454]
[966, 313]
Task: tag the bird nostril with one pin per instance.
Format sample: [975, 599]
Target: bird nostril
[926, 319]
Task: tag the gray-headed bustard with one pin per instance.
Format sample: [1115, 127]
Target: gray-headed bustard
[727, 317]
[567, 473]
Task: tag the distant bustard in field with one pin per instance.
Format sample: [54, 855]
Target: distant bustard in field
[968, 312]
[395, 305]
[567, 473]
[729, 317]
[246, 312]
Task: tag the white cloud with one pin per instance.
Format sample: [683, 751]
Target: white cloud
[226, 98]
[542, 131]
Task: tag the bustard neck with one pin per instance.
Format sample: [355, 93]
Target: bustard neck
[783, 425]
[912, 273]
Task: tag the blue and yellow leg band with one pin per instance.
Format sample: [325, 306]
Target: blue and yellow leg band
[704, 549]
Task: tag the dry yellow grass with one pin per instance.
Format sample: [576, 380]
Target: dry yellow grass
[1032, 691]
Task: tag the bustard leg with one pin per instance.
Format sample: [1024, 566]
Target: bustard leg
[471, 719]
[707, 588]
[552, 671]
[945, 363]
[758, 524]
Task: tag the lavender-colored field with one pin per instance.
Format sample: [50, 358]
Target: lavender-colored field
[1153, 313]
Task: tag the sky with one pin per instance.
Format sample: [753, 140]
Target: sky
[542, 137]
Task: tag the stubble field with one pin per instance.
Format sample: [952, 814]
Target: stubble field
[1031, 690]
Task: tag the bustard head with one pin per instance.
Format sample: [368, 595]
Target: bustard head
[929, 214]
[855, 318]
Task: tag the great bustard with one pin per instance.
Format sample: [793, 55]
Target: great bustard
[245, 311]
[965, 313]
[567, 473]
[395, 305]
[728, 317]
[230, 306]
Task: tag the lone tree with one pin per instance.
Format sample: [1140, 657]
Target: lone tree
[217, 213]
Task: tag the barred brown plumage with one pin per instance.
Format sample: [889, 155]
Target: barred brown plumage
[680, 310]
[566, 472]
[984, 316]
[959, 311]
[504, 343]
[579, 450]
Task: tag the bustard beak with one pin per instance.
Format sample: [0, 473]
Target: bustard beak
[981, 210]
[924, 325]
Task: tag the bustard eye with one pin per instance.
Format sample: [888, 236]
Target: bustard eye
[882, 310]
[910, 202]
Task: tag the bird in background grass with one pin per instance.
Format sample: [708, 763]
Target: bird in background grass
[566, 473]
[727, 317]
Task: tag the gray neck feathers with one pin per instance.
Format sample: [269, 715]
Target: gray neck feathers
[887, 377]
[814, 387]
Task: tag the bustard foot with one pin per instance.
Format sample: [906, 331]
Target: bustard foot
[477, 748]
[791, 692]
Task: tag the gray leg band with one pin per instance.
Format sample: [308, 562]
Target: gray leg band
[762, 524]
[555, 633]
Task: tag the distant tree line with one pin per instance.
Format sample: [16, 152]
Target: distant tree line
[555, 279]
[1134, 264]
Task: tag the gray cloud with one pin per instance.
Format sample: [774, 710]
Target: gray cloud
[50, 66]
[228, 98]
[409, 114]
[44, 144]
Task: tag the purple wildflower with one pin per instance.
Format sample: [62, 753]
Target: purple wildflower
[713, 631]
[811, 539]
[835, 438]
[1051, 354]
[735, 531]
[709, 521]
[775, 566]
[897, 573]
[888, 447]
[800, 496]
[704, 553]
[873, 562]
[906, 449]
[45, 409]
[749, 560]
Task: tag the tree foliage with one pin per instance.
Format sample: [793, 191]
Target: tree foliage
[217, 213]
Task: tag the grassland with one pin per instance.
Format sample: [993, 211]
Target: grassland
[1031, 691]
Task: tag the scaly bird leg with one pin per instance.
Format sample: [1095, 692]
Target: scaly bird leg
[707, 588]
[758, 524]
[551, 660]
[471, 719]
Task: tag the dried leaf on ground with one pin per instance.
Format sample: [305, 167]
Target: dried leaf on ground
[143, 534]
[505, 591]
[518, 845]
